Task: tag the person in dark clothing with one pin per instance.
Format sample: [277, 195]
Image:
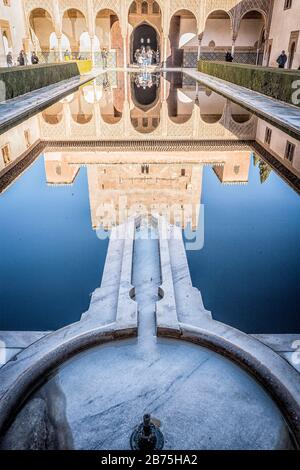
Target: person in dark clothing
[22, 59]
[34, 59]
[282, 60]
[9, 60]
[228, 57]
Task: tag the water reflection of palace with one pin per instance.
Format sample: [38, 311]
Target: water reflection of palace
[169, 184]
[158, 131]
[145, 104]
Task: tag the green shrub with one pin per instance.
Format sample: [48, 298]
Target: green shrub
[20, 80]
[276, 83]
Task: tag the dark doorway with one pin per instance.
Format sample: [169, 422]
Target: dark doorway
[143, 35]
[292, 55]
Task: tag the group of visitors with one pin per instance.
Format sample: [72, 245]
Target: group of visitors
[146, 56]
[22, 59]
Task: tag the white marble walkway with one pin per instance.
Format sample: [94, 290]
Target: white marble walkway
[21, 107]
[283, 114]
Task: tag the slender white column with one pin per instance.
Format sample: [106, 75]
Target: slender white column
[2, 50]
[92, 38]
[125, 51]
[165, 51]
[233, 45]
[200, 37]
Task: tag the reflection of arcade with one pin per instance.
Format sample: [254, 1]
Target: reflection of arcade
[145, 95]
[147, 103]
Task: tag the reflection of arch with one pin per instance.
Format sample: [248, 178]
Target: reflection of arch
[145, 94]
[239, 115]
[146, 124]
[41, 28]
[212, 106]
[211, 118]
[74, 24]
[108, 32]
[111, 116]
[182, 34]
[92, 93]
[54, 114]
[180, 106]
[81, 110]
[145, 90]
[143, 34]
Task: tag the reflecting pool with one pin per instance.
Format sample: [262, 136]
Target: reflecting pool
[137, 144]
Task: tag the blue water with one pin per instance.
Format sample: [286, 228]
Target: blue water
[249, 269]
[51, 259]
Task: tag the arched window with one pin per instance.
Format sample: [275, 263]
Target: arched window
[155, 8]
[133, 8]
[145, 8]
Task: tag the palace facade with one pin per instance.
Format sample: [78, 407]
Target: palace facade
[180, 31]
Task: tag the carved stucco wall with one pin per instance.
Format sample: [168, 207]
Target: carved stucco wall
[194, 128]
[200, 8]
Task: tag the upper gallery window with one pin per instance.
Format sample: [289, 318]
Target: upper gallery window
[288, 4]
[144, 8]
[133, 8]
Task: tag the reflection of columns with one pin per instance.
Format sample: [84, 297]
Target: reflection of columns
[93, 47]
[67, 119]
[165, 51]
[126, 87]
[200, 37]
[164, 116]
[60, 53]
[125, 51]
[98, 118]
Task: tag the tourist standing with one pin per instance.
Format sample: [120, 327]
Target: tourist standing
[34, 58]
[228, 57]
[22, 59]
[104, 55]
[67, 55]
[9, 60]
[282, 60]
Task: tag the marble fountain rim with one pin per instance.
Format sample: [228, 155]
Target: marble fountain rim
[22, 382]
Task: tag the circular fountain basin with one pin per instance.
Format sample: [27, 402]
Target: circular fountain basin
[201, 400]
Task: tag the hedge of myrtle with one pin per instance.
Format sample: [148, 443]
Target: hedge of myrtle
[276, 83]
[20, 80]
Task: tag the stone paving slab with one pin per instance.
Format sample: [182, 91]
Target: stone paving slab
[282, 114]
[279, 342]
[21, 339]
[21, 107]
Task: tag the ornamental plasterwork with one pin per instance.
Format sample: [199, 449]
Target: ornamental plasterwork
[191, 5]
[114, 5]
[31, 5]
[77, 4]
